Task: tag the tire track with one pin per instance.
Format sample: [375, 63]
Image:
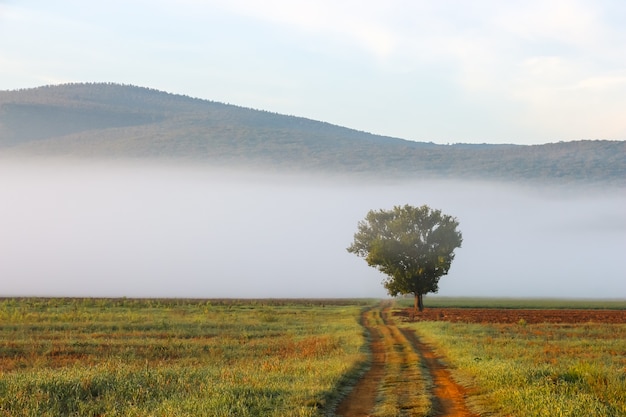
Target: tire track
[406, 378]
[362, 399]
[448, 397]
[404, 386]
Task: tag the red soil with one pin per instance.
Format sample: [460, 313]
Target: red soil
[496, 315]
[362, 399]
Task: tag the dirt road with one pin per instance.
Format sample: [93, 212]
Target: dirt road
[406, 378]
[362, 398]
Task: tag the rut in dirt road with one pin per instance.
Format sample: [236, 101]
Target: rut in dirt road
[448, 397]
[362, 399]
[396, 383]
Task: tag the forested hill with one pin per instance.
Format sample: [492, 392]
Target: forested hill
[118, 121]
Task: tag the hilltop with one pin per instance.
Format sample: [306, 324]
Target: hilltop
[120, 121]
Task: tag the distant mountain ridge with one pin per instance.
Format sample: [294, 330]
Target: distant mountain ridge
[120, 121]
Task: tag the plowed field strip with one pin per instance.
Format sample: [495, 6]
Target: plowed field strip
[515, 315]
[396, 384]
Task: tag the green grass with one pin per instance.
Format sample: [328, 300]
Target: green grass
[536, 370]
[530, 303]
[125, 357]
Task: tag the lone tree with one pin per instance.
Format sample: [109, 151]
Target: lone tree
[413, 246]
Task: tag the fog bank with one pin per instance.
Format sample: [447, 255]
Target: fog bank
[111, 230]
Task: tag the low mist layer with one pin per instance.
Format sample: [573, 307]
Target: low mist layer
[117, 229]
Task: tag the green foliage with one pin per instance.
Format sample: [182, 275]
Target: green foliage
[413, 246]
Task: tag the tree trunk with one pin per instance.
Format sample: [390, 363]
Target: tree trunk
[419, 303]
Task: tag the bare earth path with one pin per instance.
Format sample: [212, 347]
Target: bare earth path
[362, 399]
[396, 357]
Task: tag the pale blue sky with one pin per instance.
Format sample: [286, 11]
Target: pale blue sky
[531, 71]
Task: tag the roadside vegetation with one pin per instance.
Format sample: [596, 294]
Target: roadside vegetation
[95, 357]
[543, 369]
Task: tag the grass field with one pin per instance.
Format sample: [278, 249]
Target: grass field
[540, 369]
[102, 357]
[126, 357]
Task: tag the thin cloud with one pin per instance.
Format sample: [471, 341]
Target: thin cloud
[566, 21]
[353, 22]
[602, 83]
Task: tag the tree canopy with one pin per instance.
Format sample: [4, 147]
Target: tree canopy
[413, 246]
